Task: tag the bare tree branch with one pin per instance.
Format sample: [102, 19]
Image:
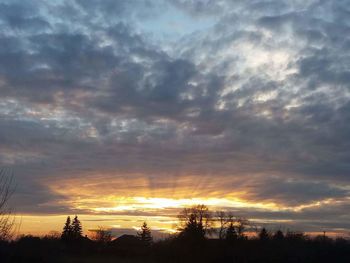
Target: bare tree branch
[7, 220]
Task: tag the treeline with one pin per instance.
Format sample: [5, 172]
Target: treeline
[202, 237]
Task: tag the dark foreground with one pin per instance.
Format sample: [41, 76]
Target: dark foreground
[292, 249]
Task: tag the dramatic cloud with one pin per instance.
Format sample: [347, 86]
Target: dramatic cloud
[246, 102]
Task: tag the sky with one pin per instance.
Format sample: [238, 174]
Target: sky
[124, 111]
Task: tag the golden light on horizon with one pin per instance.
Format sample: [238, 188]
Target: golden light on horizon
[116, 193]
[122, 194]
[123, 213]
[120, 203]
[159, 203]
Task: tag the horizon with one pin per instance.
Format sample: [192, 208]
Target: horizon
[128, 111]
[159, 231]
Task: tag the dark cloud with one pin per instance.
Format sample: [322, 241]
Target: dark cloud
[22, 16]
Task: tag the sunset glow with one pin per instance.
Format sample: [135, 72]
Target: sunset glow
[121, 112]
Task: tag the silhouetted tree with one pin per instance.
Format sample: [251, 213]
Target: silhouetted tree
[296, 236]
[195, 222]
[231, 233]
[241, 226]
[264, 234]
[101, 235]
[295, 248]
[221, 217]
[53, 235]
[77, 231]
[7, 222]
[278, 235]
[67, 230]
[322, 238]
[226, 225]
[145, 234]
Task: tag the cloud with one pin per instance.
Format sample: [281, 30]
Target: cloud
[259, 100]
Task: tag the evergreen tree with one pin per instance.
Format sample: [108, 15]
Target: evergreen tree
[145, 234]
[194, 229]
[67, 230]
[231, 233]
[77, 231]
